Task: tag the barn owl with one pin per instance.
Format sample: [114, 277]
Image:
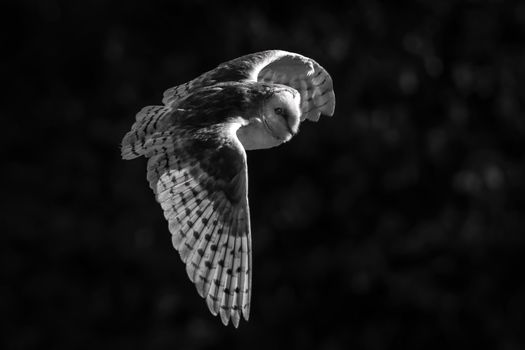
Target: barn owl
[195, 145]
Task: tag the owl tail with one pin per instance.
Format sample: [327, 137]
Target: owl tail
[149, 121]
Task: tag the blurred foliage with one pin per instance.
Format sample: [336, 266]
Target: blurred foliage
[396, 224]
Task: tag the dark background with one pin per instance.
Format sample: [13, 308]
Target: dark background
[396, 224]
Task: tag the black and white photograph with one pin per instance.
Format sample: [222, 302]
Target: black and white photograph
[193, 175]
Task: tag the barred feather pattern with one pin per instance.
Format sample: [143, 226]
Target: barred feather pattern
[208, 220]
[149, 120]
[172, 95]
[200, 176]
[308, 77]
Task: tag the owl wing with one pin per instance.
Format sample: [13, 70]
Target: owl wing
[200, 180]
[299, 72]
[273, 66]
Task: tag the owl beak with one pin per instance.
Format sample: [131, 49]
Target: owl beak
[291, 130]
[292, 124]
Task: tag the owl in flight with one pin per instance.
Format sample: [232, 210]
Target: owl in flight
[195, 144]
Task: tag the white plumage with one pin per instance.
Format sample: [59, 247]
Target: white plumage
[195, 144]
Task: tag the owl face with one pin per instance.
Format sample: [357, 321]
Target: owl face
[276, 123]
[281, 114]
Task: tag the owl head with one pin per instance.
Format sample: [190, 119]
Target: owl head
[276, 120]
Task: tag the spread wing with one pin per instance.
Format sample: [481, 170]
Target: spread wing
[303, 74]
[199, 177]
[274, 66]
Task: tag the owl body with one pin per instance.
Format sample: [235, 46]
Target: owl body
[195, 145]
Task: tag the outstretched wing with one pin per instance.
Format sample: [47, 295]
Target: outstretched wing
[273, 66]
[199, 177]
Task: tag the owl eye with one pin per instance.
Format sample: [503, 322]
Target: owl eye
[278, 111]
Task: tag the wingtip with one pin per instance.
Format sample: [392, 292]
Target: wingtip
[329, 109]
[332, 105]
[200, 288]
[246, 312]
[235, 319]
[225, 317]
[211, 306]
